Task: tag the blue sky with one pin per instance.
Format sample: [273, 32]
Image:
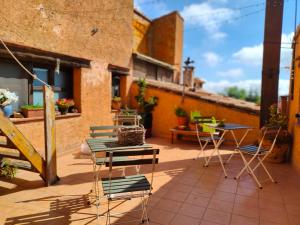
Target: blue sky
[224, 38]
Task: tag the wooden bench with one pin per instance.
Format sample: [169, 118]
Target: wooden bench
[177, 132]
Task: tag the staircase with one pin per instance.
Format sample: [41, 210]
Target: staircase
[17, 151]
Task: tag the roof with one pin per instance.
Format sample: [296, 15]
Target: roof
[139, 13]
[152, 60]
[204, 95]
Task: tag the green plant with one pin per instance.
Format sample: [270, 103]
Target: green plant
[277, 119]
[7, 170]
[117, 99]
[32, 107]
[145, 106]
[180, 112]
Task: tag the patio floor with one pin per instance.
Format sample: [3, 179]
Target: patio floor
[185, 193]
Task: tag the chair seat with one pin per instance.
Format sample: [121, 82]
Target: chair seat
[125, 184]
[252, 149]
[102, 161]
[209, 138]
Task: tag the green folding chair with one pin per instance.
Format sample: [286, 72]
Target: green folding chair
[129, 187]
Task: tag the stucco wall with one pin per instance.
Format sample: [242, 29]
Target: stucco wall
[295, 108]
[141, 28]
[164, 117]
[64, 26]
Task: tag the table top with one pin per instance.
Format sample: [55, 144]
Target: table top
[230, 126]
[98, 145]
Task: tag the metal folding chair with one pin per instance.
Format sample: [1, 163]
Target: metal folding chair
[129, 187]
[260, 153]
[205, 138]
[100, 135]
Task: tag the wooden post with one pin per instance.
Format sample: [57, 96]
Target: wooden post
[50, 142]
[271, 57]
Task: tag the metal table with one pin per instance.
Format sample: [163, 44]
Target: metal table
[227, 128]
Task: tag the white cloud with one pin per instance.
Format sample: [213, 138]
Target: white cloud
[220, 86]
[155, 8]
[211, 58]
[208, 17]
[231, 73]
[252, 55]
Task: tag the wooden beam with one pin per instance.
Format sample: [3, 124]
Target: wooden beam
[50, 145]
[271, 57]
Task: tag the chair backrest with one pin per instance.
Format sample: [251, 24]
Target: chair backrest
[104, 131]
[137, 157]
[200, 123]
[272, 134]
[128, 112]
[127, 119]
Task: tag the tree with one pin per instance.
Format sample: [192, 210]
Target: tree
[240, 93]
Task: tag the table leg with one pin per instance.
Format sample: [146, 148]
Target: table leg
[172, 137]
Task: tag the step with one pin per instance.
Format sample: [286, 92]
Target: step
[20, 164]
[9, 152]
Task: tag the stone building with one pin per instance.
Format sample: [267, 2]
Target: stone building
[157, 47]
[93, 41]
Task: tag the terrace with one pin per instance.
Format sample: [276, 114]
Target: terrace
[185, 192]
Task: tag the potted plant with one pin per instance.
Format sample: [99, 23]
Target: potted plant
[64, 104]
[181, 117]
[116, 103]
[146, 107]
[6, 99]
[277, 119]
[32, 111]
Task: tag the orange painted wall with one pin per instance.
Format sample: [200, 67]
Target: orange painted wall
[164, 117]
[295, 108]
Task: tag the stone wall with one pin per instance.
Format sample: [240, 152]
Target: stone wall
[64, 26]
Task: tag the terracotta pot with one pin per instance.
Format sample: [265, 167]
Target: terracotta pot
[116, 105]
[279, 153]
[182, 121]
[29, 113]
[192, 126]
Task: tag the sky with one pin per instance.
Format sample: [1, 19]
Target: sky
[224, 38]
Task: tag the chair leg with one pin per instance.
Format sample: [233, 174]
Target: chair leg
[265, 169]
[210, 157]
[144, 203]
[221, 161]
[247, 165]
[254, 177]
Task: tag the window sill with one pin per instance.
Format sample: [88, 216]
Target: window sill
[37, 119]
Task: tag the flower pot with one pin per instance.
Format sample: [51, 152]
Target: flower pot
[116, 105]
[63, 110]
[7, 110]
[148, 118]
[29, 113]
[182, 121]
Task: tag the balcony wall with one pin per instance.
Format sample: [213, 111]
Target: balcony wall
[208, 104]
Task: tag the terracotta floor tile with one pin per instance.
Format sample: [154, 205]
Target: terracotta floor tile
[245, 210]
[273, 216]
[184, 220]
[217, 216]
[176, 196]
[192, 210]
[243, 220]
[168, 205]
[223, 196]
[205, 222]
[197, 200]
[222, 206]
[293, 209]
[182, 189]
[161, 216]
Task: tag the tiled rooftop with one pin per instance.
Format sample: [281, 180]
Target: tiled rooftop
[185, 193]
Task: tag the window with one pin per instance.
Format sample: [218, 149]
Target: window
[61, 82]
[30, 91]
[116, 85]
